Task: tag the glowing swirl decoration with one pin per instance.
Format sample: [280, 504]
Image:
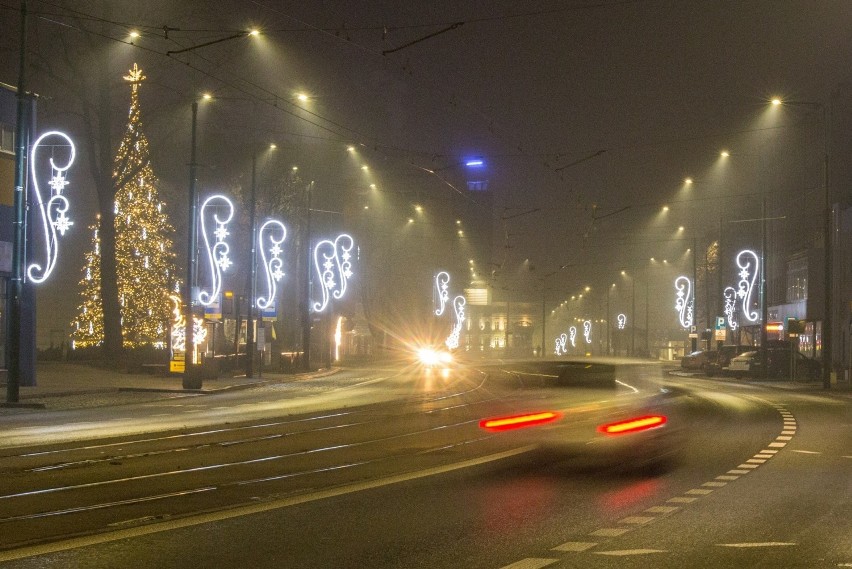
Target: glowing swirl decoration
[572, 332]
[270, 236]
[217, 252]
[333, 263]
[683, 303]
[745, 260]
[199, 331]
[53, 210]
[562, 344]
[621, 319]
[587, 331]
[442, 284]
[731, 307]
[458, 305]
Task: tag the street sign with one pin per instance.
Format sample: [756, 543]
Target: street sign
[720, 323]
[178, 362]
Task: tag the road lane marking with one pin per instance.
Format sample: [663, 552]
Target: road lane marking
[783, 438]
[756, 461]
[681, 500]
[723, 477]
[777, 444]
[638, 520]
[699, 491]
[624, 552]
[748, 466]
[806, 451]
[575, 546]
[715, 484]
[757, 544]
[769, 451]
[763, 455]
[250, 509]
[610, 532]
[662, 509]
[738, 471]
[530, 563]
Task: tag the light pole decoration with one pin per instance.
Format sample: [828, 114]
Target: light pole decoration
[269, 239]
[746, 261]
[52, 209]
[683, 302]
[572, 335]
[333, 263]
[562, 344]
[217, 251]
[458, 305]
[621, 319]
[587, 331]
[442, 285]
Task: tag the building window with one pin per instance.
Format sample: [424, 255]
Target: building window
[7, 138]
[797, 279]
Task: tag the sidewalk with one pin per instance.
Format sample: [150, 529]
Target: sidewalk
[63, 379]
[839, 389]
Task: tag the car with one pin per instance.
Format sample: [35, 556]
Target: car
[699, 360]
[434, 357]
[598, 411]
[781, 363]
[724, 355]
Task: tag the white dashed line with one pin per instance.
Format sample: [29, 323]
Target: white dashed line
[624, 552]
[806, 451]
[724, 477]
[681, 500]
[748, 466]
[662, 509]
[739, 471]
[756, 544]
[715, 484]
[575, 546]
[777, 444]
[756, 461]
[610, 532]
[788, 432]
[783, 438]
[531, 563]
[699, 491]
[769, 451]
[761, 455]
[638, 520]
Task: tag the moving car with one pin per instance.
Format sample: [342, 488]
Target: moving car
[614, 412]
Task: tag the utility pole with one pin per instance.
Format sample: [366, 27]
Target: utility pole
[191, 375]
[252, 288]
[306, 290]
[13, 330]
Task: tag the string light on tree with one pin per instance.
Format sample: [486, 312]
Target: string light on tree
[146, 272]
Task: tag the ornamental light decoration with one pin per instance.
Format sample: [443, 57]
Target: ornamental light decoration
[269, 238]
[746, 259]
[53, 210]
[572, 335]
[621, 319]
[442, 285]
[587, 331]
[730, 294]
[333, 263]
[199, 331]
[561, 344]
[453, 339]
[217, 251]
[683, 301]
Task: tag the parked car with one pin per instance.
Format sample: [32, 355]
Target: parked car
[781, 363]
[724, 355]
[698, 360]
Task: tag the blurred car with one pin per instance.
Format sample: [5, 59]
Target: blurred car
[699, 360]
[781, 363]
[583, 407]
[430, 357]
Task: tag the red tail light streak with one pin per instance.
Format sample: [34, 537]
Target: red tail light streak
[519, 421]
[633, 425]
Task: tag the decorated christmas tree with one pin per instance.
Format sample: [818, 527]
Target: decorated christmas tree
[144, 247]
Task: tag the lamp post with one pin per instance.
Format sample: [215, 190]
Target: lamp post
[191, 377]
[828, 261]
[252, 271]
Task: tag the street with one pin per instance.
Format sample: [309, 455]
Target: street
[387, 468]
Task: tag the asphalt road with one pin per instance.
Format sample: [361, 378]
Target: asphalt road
[385, 468]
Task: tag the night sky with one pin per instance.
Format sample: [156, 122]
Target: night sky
[588, 114]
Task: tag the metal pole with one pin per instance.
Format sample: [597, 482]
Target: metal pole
[306, 300]
[13, 329]
[633, 314]
[827, 323]
[764, 305]
[694, 341]
[543, 320]
[191, 376]
[252, 273]
[606, 321]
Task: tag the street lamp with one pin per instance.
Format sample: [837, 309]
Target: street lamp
[191, 377]
[827, 236]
